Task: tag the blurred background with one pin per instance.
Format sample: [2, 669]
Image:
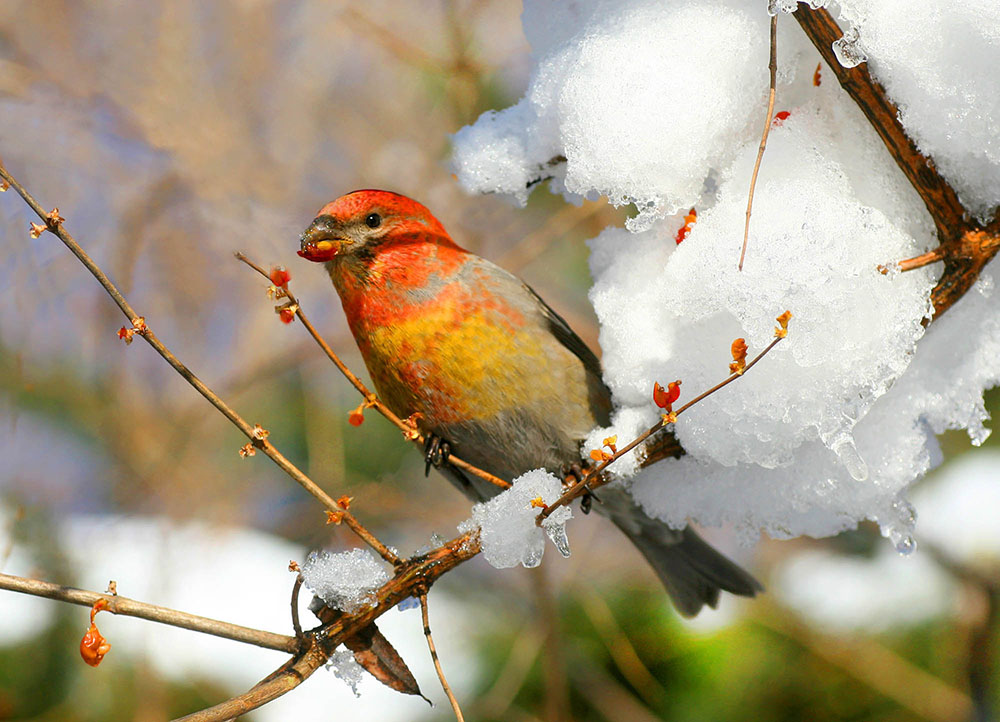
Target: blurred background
[170, 134]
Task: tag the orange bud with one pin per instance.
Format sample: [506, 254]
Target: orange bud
[817, 79]
[286, 313]
[610, 443]
[344, 502]
[247, 450]
[669, 418]
[37, 229]
[259, 432]
[600, 455]
[334, 517]
[783, 321]
[53, 218]
[4, 185]
[660, 396]
[739, 351]
[537, 503]
[94, 646]
[293, 566]
[689, 220]
[279, 276]
[357, 416]
[665, 397]
[138, 326]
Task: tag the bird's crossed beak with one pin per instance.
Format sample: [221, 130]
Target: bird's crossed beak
[322, 240]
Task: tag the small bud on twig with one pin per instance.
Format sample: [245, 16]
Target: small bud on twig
[138, 327]
[783, 321]
[739, 351]
[94, 646]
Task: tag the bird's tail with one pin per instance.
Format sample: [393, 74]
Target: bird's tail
[692, 572]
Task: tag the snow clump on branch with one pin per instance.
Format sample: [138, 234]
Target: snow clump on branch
[346, 581]
[659, 104]
[506, 522]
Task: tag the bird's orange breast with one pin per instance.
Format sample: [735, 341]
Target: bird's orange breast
[448, 347]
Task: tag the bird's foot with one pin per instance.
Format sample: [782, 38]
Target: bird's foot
[589, 497]
[436, 452]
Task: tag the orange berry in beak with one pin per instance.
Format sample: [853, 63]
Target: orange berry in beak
[318, 251]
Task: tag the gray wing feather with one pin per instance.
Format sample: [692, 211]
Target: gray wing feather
[567, 336]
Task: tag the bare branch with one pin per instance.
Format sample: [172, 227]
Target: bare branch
[253, 433]
[437, 662]
[162, 615]
[773, 68]
[296, 625]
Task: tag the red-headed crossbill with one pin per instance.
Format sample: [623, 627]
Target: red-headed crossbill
[493, 370]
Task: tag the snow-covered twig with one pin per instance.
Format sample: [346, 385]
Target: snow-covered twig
[965, 245]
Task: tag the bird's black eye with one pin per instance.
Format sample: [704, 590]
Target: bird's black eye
[373, 220]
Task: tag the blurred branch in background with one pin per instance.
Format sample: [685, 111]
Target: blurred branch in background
[875, 665]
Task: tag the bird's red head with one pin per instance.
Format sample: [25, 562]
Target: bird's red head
[361, 220]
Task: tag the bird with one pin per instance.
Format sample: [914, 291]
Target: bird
[497, 377]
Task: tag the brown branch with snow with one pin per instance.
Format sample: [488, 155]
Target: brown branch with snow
[966, 245]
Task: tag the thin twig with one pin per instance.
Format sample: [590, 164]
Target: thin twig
[57, 229]
[594, 479]
[296, 625]
[370, 397]
[151, 612]
[773, 68]
[434, 657]
[924, 259]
